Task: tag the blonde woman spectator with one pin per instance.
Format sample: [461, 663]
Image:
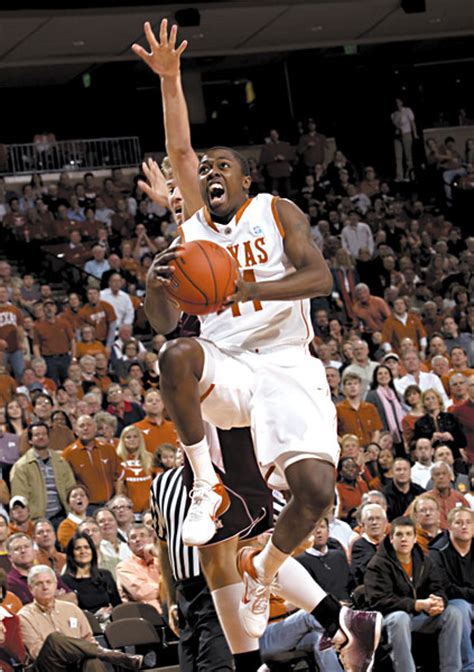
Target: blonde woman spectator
[438, 426]
[136, 476]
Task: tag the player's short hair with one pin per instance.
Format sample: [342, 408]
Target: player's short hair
[166, 168]
[240, 158]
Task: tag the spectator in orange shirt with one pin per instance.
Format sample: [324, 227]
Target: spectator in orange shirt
[402, 324]
[54, 339]
[136, 476]
[8, 386]
[89, 344]
[95, 463]
[355, 416]
[156, 430]
[370, 311]
[11, 334]
[100, 315]
[350, 488]
[20, 516]
[139, 577]
[39, 367]
[458, 365]
[78, 501]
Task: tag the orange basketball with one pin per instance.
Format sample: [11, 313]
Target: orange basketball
[204, 276]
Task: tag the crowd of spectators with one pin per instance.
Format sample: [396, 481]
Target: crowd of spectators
[83, 429]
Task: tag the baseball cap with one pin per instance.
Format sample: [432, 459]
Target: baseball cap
[392, 355]
[18, 499]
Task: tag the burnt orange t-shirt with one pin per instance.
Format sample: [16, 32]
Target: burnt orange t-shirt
[7, 389]
[155, 434]
[97, 468]
[361, 422]
[10, 319]
[53, 338]
[99, 316]
[138, 483]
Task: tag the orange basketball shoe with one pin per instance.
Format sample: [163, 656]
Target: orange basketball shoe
[254, 608]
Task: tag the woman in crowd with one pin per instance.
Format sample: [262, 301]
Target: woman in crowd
[15, 421]
[350, 488]
[107, 427]
[62, 426]
[383, 395]
[439, 426]
[350, 447]
[371, 456]
[78, 501]
[412, 399]
[384, 466]
[136, 477]
[95, 588]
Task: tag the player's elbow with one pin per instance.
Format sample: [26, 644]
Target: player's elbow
[324, 283]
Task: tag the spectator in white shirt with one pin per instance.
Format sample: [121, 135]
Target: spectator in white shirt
[356, 235]
[421, 470]
[119, 300]
[415, 376]
[99, 264]
[405, 132]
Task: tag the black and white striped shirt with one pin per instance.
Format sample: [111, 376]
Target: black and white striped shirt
[169, 505]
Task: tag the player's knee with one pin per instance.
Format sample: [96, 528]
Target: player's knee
[177, 358]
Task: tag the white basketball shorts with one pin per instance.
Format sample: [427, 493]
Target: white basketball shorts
[280, 393]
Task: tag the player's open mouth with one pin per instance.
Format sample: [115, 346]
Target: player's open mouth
[217, 194]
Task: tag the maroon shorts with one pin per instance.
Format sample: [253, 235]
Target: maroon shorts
[251, 501]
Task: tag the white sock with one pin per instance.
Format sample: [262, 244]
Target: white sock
[268, 562]
[199, 457]
[297, 586]
[226, 602]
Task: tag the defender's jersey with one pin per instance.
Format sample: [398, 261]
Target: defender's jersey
[254, 237]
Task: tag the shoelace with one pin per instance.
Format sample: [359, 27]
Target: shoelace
[260, 600]
[198, 496]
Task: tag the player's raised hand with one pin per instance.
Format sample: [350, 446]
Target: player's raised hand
[163, 57]
[155, 188]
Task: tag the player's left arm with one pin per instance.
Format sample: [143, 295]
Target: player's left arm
[312, 276]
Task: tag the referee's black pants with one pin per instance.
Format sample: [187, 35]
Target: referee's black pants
[202, 645]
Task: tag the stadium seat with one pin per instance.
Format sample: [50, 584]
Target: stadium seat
[135, 635]
[96, 628]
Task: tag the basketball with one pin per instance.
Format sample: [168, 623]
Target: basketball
[204, 276]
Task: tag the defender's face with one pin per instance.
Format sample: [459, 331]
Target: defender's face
[223, 186]
[175, 200]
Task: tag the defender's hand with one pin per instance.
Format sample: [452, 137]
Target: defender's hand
[163, 58]
[156, 188]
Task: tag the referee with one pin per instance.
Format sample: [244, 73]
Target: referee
[202, 646]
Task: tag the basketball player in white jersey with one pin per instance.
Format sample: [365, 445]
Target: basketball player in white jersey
[251, 367]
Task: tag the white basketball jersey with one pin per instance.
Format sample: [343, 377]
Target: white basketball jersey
[254, 237]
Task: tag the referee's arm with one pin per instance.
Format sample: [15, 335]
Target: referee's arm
[168, 585]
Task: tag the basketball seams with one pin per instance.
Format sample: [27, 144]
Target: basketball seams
[210, 268]
[180, 266]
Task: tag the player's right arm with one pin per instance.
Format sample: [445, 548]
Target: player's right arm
[162, 314]
[164, 59]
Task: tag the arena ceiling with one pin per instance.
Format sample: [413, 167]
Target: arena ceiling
[41, 46]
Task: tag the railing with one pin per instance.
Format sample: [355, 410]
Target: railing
[50, 157]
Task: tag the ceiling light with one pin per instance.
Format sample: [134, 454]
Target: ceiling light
[316, 29]
[435, 19]
[78, 43]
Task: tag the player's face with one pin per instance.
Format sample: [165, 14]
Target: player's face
[223, 186]
[175, 200]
